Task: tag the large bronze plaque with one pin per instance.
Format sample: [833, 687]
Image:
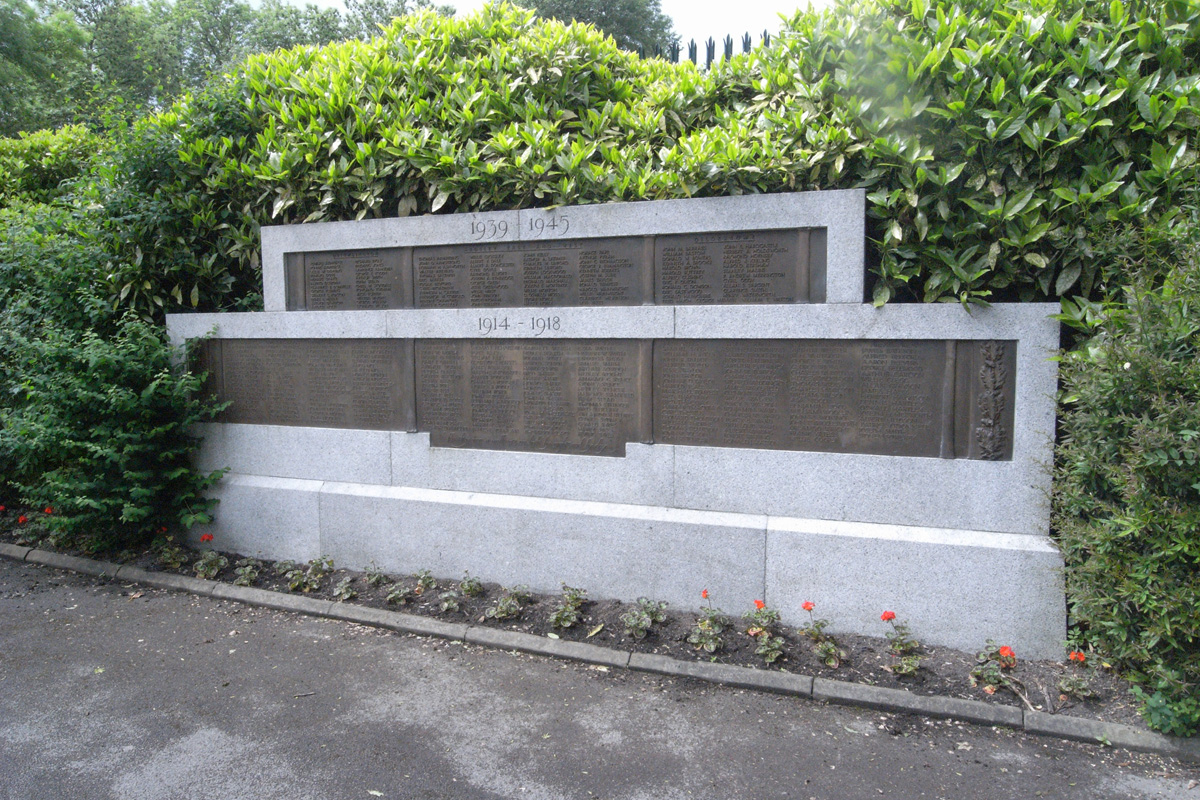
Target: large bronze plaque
[844, 396]
[738, 267]
[581, 396]
[318, 383]
[576, 272]
[341, 280]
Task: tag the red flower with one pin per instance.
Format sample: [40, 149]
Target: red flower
[760, 605]
[49, 510]
[1007, 652]
[1075, 655]
[2, 508]
[704, 593]
[207, 537]
[163, 529]
[808, 605]
[888, 616]
[21, 520]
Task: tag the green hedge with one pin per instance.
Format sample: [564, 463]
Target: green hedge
[1127, 489]
[34, 167]
[995, 137]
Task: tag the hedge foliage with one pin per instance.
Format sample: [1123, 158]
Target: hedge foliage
[995, 137]
[1127, 490]
[35, 167]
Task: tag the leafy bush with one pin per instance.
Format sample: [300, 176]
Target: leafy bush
[100, 432]
[995, 138]
[1127, 497]
[34, 167]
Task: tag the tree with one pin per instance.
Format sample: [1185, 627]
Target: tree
[364, 18]
[42, 68]
[637, 25]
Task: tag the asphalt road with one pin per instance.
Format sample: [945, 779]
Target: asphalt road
[112, 691]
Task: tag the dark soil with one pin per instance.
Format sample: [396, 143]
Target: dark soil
[943, 671]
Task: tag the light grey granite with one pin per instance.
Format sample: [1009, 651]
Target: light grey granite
[611, 550]
[279, 325]
[279, 451]
[611, 322]
[273, 518]
[1010, 496]
[952, 588]
[644, 476]
[841, 212]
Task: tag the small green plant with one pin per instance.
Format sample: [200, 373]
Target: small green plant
[210, 564]
[246, 570]
[825, 647]
[993, 670]
[425, 582]
[284, 567]
[448, 601]
[375, 576]
[345, 590]
[638, 621]
[706, 633]
[905, 649]
[398, 594]
[171, 555]
[1077, 682]
[508, 605]
[469, 586]
[310, 578]
[567, 612]
[762, 626]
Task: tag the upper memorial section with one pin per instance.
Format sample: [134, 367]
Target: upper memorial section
[805, 247]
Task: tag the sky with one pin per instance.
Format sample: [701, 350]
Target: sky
[700, 19]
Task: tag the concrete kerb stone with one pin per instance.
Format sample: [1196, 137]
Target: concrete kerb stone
[539, 645]
[857, 694]
[397, 621]
[13, 551]
[166, 580]
[852, 694]
[742, 677]
[87, 566]
[1110, 733]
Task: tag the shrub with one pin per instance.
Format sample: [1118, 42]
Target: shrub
[994, 137]
[1127, 494]
[100, 432]
[36, 167]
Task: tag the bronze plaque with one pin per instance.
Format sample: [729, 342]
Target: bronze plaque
[349, 280]
[580, 396]
[843, 396]
[317, 383]
[738, 267]
[613, 271]
[984, 398]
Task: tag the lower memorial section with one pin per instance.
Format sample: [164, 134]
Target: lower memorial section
[942, 582]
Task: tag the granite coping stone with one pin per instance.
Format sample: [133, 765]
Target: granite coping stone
[851, 694]
[1111, 733]
[13, 551]
[743, 677]
[885, 699]
[540, 645]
